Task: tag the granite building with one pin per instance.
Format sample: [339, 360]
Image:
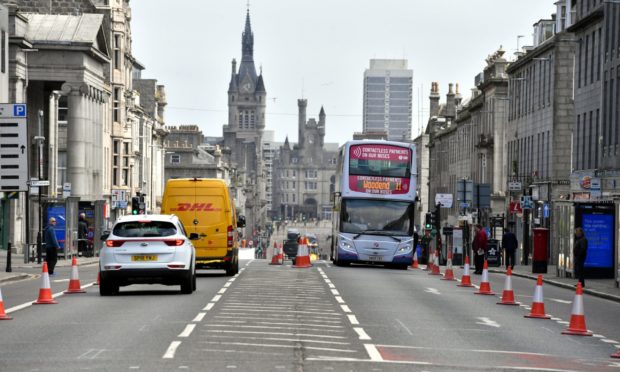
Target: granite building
[388, 86]
[303, 175]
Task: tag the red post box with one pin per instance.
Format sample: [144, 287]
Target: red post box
[540, 255]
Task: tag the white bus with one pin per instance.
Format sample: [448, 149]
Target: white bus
[374, 204]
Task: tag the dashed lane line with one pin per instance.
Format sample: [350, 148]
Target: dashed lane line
[187, 331]
[209, 306]
[169, 354]
[199, 317]
[353, 320]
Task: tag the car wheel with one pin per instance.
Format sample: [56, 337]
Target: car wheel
[187, 285]
[194, 287]
[108, 288]
[232, 268]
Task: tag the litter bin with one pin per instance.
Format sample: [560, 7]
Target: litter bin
[493, 253]
[540, 256]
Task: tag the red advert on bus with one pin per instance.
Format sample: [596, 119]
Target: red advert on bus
[379, 185]
[380, 152]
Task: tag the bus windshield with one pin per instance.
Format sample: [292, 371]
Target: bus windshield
[376, 217]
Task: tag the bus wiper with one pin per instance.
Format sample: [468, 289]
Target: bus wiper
[377, 232]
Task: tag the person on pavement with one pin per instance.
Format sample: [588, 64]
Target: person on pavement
[580, 251]
[510, 244]
[479, 246]
[51, 245]
[82, 234]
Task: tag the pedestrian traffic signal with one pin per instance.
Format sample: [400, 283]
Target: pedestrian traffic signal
[135, 204]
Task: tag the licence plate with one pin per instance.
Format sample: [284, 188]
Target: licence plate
[144, 258]
[375, 258]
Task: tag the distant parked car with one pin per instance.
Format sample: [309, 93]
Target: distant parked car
[147, 249]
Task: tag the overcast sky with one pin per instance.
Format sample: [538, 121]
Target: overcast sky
[318, 50]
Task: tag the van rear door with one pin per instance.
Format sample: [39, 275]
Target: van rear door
[211, 221]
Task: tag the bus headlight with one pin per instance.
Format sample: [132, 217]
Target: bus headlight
[404, 249]
[347, 245]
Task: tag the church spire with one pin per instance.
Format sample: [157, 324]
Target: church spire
[247, 41]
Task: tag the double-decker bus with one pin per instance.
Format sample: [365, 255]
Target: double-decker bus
[374, 204]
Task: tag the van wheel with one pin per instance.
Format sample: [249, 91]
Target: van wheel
[232, 268]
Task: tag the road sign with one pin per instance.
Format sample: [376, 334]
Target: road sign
[445, 200]
[514, 186]
[66, 189]
[482, 195]
[464, 191]
[13, 147]
[526, 202]
[515, 207]
[40, 183]
[464, 205]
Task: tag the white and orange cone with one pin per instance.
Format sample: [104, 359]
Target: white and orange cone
[435, 268]
[466, 278]
[508, 296]
[449, 274]
[98, 278]
[275, 255]
[616, 355]
[538, 304]
[577, 324]
[485, 286]
[45, 292]
[429, 261]
[303, 258]
[3, 315]
[74, 282]
[281, 255]
[414, 264]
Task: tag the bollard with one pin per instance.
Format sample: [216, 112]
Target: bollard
[39, 251]
[8, 258]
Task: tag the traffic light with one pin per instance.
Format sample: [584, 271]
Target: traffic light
[142, 205]
[428, 224]
[135, 204]
[437, 217]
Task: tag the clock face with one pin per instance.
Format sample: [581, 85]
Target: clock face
[310, 139]
[246, 87]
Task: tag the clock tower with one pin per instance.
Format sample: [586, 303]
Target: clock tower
[244, 131]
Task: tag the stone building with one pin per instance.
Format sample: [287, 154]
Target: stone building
[304, 173]
[466, 141]
[243, 134]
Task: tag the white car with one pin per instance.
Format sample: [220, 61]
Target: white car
[147, 249]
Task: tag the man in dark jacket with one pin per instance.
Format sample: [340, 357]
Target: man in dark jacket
[51, 245]
[580, 251]
[480, 248]
[82, 234]
[510, 244]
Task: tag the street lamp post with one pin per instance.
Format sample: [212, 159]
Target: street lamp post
[39, 139]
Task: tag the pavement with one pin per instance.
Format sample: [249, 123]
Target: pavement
[604, 288]
[21, 270]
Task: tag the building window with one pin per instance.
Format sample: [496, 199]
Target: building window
[117, 105]
[117, 51]
[62, 168]
[175, 159]
[125, 181]
[294, 160]
[116, 162]
[294, 198]
[2, 52]
[63, 110]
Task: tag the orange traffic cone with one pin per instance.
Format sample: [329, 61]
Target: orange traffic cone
[98, 278]
[275, 255]
[616, 355]
[74, 282]
[414, 264]
[466, 278]
[303, 258]
[435, 268]
[45, 292]
[281, 255]
[508, 296]
[429, 261]
[3, 315]
[485, 286]
[538, 304]
[577, 324]
[449, 274]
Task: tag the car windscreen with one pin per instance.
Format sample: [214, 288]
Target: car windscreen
[144, 229]
[380, 216]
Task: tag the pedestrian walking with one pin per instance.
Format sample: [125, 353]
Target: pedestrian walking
[82, 234]
[510, 244]
[51, 245]
[580, 251]
[479, 246]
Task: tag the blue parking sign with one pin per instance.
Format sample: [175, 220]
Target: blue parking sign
[19, 110]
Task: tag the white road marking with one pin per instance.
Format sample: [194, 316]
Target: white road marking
[405, 327]
[187, 331]
[231, 280]
[283, 339]
[169, 354]
[216, 298]
[598, 336]
[271, 311]
[308, 328]
[60, 280]
[609, 341]
[209, 306]
[353, 319]
[373, 353]
[345, 308]
[339, 299]
[361, 333]
[91, 354]
[561, 301]
[563, 322]
[432, 290]
[199, 317]
[222, 291]
[276, 334]
[240, 323]
[227, 284]
[279, 346]
[331, 285]
[556, 319]
[18, 307]
[231, 367]
[536, 369]
[335, 292]
[488, 322]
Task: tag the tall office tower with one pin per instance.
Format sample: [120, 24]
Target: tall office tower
[388, 85]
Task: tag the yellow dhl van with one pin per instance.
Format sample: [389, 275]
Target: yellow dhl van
[205, 207]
